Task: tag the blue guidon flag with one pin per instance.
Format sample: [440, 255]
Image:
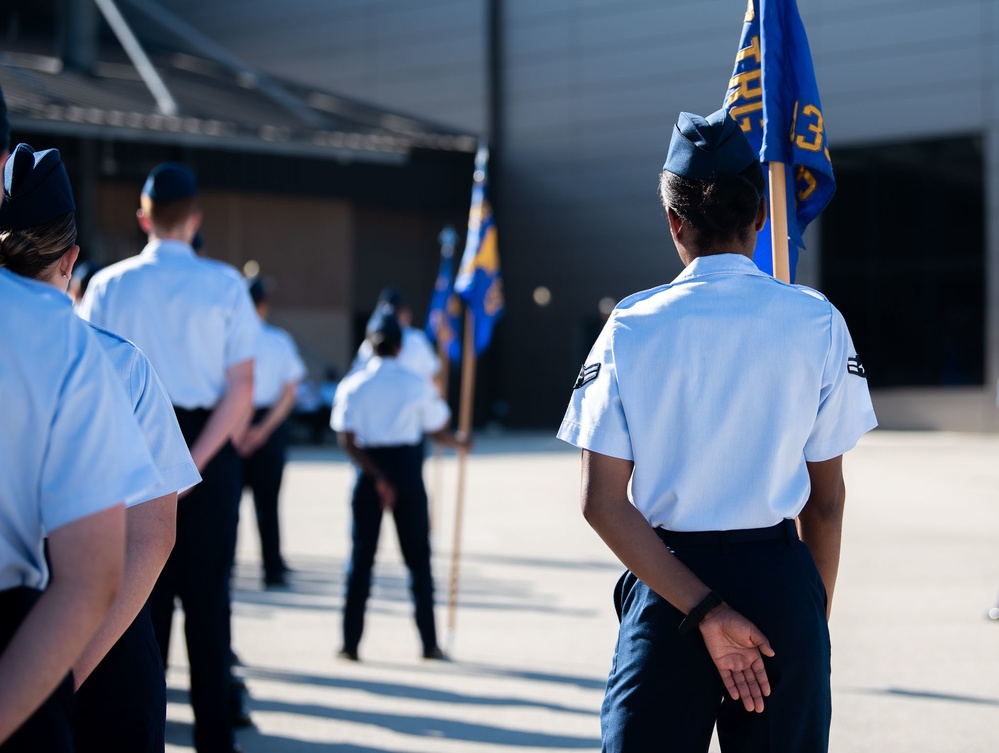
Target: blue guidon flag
[479, 282]
[773, 96]
[444, 317]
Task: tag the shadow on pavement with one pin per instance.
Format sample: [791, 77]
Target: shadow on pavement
[391, 584]
[179, 734]
[434, 728]
[397, 690]
[586, 683]
[254, 741]
[925, 695]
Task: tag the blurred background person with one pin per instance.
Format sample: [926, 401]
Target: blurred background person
[278, 369]
[83, 273]
[195, 322]
[381, 414]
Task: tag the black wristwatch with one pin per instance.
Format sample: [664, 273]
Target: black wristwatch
[698, 613]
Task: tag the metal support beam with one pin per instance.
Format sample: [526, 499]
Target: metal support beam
[164, 100]
[189, 35]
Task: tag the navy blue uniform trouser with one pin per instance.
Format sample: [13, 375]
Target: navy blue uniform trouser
[197, 573]
[403, 466]
[263, 472]
[664, 693]
[49, 729]
[122, 704]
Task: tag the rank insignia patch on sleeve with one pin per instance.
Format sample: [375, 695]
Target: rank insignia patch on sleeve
[586, 375]
[855, 367]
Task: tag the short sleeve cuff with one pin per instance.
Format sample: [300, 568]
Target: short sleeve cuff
[436, 417]
[816, 452]
[297, 372]
[178, 479]
[605, 443]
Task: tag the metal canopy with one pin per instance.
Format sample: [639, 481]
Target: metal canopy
[217, 103]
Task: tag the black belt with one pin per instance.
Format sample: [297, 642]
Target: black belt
[193, 412]
[786, 530]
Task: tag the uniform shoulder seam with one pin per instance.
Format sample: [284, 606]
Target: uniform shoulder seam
[642, 295]
[113, 335]
[804, 289]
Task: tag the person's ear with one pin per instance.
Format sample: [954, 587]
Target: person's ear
[761, 214]
[67, 261]
[195, 221]
[675, 223]
[144, 222]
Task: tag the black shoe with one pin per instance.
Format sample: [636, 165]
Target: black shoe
[239, 704]
[348, 654]
[275, 581]
[435, 654]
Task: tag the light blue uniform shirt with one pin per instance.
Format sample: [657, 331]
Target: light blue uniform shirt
[154, 414]
[191, 318]
[276, 364]
[69, 447]
[720, 386]
[386, 405]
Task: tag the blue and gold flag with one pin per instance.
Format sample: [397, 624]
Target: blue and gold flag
[773, 96]
[479, 282]
[444, 317]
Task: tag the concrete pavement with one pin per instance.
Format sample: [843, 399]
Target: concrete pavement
[915, 661]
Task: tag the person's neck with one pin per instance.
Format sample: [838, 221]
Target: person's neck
[688, 255]
[179, 237]
[53, 279]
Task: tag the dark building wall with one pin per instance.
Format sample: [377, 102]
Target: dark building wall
[912, 283]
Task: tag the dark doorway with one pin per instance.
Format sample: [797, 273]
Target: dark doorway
[903, 257]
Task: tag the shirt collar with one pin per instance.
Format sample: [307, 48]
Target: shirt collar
[383, 362]
[40, 288]
[168, 246]
[719, 264]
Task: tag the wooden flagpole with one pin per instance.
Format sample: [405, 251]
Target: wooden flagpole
[778, 222]
[437, 465]
[464, 426]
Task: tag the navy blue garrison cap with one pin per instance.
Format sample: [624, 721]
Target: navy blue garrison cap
[170, 181]
[36, 189]
[704, 147]
[392, 297]
[258, 290]
[383, 325]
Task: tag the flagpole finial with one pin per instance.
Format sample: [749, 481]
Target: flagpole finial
[481, 160]
[447, 238]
